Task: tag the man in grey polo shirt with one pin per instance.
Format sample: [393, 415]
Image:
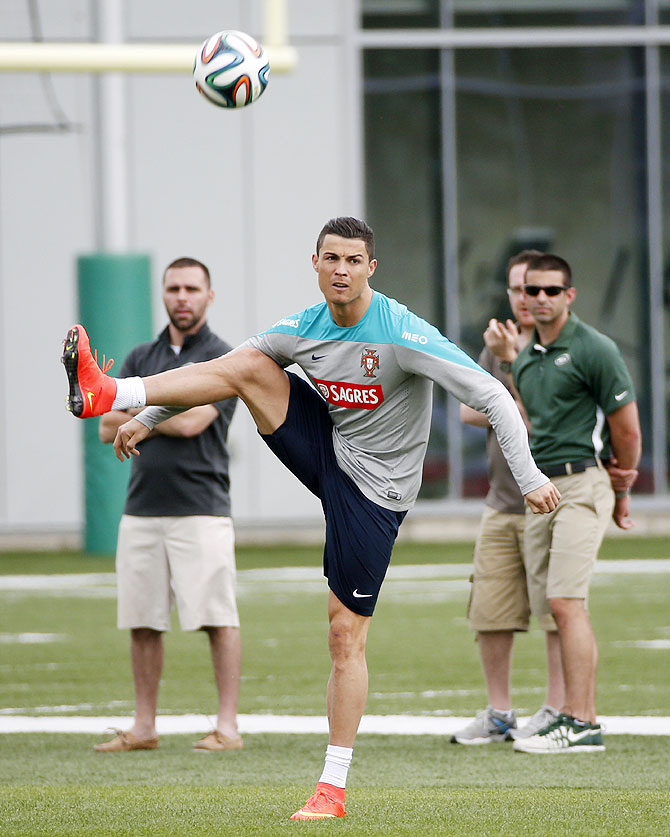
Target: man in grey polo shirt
[176, 539]
[585, 435]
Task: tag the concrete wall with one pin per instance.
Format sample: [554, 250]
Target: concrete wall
[246, 192]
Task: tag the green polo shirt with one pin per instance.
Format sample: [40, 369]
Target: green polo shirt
[568, 389]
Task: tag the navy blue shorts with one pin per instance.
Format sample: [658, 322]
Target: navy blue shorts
[359, 533]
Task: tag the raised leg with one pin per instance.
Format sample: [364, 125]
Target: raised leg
[246, 372]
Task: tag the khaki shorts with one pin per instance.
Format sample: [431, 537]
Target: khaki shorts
[499, 598]
[562, 546]
[190, 560]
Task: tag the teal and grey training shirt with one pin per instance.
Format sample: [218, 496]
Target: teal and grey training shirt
[376, 377]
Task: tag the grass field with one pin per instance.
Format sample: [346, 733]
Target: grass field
[422, 661]
[55, 784]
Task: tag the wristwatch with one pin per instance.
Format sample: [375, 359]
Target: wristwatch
[621, 494]
[506, 365]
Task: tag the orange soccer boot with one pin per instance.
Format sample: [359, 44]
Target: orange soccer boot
[92, 392]
[326, 802]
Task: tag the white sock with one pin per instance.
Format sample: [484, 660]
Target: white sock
[338, 761]
[130, 392]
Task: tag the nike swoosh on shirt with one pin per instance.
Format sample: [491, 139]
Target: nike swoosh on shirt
[616, 397]
[358, 595]
[318, 357]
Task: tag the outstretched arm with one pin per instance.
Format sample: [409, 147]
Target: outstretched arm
[451, 368]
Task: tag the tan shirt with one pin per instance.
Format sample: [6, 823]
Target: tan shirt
[504, 494]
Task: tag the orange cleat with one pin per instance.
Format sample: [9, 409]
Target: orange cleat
[325, 803]
[92, 391]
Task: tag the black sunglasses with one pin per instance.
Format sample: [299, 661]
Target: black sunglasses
[550, 290]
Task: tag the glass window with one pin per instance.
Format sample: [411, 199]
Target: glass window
[404, 200]
[402, 171]
[550, 154]
[492, 13]
[665, 133]
[400, 14]
[421, 14]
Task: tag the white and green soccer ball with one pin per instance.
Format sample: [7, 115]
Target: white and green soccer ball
[231, 69]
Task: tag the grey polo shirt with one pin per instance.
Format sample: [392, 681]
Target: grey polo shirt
[175, 476]
[503, 495]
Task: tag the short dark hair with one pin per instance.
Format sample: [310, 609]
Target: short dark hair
[523, 257]
[549, 261]
[186, 261]
[347, 227]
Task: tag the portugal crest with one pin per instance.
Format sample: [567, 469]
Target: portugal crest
[370, 362]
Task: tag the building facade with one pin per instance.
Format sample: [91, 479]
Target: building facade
[463, 131]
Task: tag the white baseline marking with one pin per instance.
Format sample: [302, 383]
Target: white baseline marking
[30, 638]
[403, 572]
[302, 724]
[249, 724]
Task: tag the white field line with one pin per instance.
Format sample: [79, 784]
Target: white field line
[249, 724]
[409, 572]
[301, 724]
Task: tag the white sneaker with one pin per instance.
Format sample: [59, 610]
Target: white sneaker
[488, 726]
[565, 735]
[542, 718]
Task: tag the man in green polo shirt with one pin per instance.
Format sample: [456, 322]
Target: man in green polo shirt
[585, 436]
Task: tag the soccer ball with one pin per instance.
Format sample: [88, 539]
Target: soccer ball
[231, 69]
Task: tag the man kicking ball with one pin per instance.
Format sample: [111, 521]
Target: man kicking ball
[355, 436]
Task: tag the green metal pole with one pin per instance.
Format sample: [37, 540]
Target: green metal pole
[115, 309]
